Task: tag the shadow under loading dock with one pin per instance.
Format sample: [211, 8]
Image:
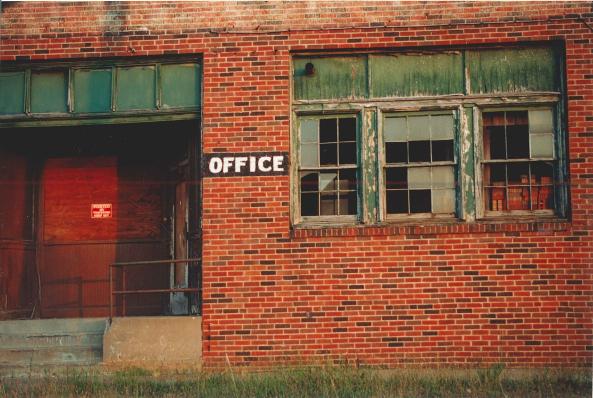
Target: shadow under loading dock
[75, 200]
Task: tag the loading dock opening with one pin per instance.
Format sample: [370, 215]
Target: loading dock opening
[76, 199]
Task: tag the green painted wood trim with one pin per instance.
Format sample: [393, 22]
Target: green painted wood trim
[467, 196]
[369, 166]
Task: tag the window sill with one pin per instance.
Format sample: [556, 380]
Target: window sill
[432, 227]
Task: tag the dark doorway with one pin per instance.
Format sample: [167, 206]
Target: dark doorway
[106, 194]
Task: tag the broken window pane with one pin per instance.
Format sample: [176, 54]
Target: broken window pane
[419, 151]
[442, 151]
[309, 155]
[495, 142]
[418, 128]
[395, 129]
[397, 202]
[329, 202]
[309, 182]
[328, 154]
[517, 142]
[420, 201]
[396, 152]
[542, 146]
[443, 201]
[347, 153]
[309, 130]
[347, 181]
[309, 204]
[328, 130]
[327, 181]
[396, 178]
[347, 127]
[347, 203]
[441, 127]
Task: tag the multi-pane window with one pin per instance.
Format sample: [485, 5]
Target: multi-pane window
[420, 163]
[328, 166]
[519, 160]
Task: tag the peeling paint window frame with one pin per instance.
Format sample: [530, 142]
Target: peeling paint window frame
[384, 165]
[296, 154]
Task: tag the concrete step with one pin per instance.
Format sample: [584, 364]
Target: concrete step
[50, 343]
[46, 327]
[53, 340]
[71, 355]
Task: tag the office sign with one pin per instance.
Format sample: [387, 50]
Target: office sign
[245, 164]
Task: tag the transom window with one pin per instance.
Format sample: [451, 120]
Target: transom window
[419, 164]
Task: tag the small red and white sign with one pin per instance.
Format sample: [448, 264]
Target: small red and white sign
[101, 210]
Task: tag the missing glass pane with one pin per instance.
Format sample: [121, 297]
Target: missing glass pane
[347, 203]
[396, 178]
[309, 204]
[309, 182]
[347, 127]
[397, 202]
[517, 142]
[396, 152]
[329, 202]
[347, 153]
[328, 154]
[347, 180]
[419, 151]
[494, 142]
[420, 201]
[328, 129]
[442, 150]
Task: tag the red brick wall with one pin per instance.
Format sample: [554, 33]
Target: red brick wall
[461, 294]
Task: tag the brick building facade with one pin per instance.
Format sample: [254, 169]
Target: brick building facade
[490, 281]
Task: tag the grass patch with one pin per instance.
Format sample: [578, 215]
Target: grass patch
[307, 382]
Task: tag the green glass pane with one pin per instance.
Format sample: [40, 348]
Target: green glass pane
[418, 128]
[92, 90]
[441, 127]
[49, 92]
[443, 201]
[419, 178]
[395, 129]
[541, 121]
[541, 145]
[136, 88]
[12, 92]
[309, 130]
[180, 85]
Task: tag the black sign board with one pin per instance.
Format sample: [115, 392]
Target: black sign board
[244, 164]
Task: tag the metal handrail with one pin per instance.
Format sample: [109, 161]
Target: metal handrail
[123, 292]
